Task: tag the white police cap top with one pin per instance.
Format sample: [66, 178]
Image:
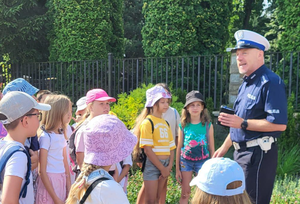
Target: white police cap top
[250, 39]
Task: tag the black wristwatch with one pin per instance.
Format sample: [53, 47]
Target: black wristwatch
[244, 124]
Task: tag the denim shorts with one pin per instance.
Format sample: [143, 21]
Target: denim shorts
[151, 172]
[187, 165]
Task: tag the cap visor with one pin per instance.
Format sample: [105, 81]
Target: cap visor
[44, 107]
[243, 46]
[194, 181]
[111, 99]
[191, 101]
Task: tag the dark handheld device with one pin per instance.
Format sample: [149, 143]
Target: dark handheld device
[225, 109]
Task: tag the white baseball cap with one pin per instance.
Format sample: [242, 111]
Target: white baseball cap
[81, 104]
[16, 104]
[216, 174]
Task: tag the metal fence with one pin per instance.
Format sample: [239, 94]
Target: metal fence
[209, 74]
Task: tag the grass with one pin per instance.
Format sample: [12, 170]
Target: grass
[286, 189]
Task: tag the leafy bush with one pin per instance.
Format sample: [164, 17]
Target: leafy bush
[289, 143]
[286, 190]
[130, 105]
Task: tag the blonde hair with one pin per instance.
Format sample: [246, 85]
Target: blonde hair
[145, 112]
[186, 117]
[54, 117]
[202, 197]
[79, 188]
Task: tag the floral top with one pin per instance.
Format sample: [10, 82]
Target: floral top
[195, 146]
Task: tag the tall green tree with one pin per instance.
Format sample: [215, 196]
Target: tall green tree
[23, 30]
[288, 16]
[185, 27]
[249, 15]
[133, 23]
[86, 29]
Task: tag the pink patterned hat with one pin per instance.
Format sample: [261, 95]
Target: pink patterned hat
[107, 141]
[98, 95]
[154, 94]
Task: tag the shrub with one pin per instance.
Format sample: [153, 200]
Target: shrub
[130, 105]
[286, 190]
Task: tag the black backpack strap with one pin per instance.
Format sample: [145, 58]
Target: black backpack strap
[167, 123]
[152, 125]
[90, 188]
[6, 157]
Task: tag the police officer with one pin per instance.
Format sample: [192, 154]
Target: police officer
[260, 117]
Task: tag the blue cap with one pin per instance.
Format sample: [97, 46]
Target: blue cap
[20, 84]
[250, 39]
[216, 174]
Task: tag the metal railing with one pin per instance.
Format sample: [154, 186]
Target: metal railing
[209, 74]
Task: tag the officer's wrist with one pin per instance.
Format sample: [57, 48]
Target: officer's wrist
[244, 124]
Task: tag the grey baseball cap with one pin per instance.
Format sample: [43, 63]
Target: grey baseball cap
[16, 104]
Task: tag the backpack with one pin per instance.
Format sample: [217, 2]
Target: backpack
[142, 156]
[91, 187]
[4, 160]
[73, 148]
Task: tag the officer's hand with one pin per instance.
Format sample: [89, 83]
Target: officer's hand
[229, 120]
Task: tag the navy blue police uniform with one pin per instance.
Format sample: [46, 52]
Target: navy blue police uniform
[261, 96]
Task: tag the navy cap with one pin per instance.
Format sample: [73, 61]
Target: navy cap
[250, 39]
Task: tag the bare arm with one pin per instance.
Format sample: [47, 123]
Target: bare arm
[79, 158]
[224, 148]
[154, 159]
[259, 125]
[44, 177]
[211, 146]
[124, 172]
[34, 157]
[178, 153]
[11, 189]
[67, 170]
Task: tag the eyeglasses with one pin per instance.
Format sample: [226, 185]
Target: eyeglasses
[39, 115]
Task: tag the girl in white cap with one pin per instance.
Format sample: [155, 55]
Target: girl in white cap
[155, 138]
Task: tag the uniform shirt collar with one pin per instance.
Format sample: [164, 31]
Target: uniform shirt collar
[254, 75]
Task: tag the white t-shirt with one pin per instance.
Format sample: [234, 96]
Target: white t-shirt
[107, 192]
[127, 160]
[173, 118]
[54, 145]
[17, 166]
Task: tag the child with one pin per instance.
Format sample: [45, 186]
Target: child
[42, 94]
[195, 142]
[220, 181]
[173, 118]
[31, 144]
[107, 141]
[155, 137]
[81, 109]
[98, 103]
[20, 116]
[54, 175]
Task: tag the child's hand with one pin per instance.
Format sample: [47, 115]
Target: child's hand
[165, 172]
[178, 176]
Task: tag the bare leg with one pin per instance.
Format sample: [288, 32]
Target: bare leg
[151, 189]
[185, 187]
[163, 189]
[141, 196]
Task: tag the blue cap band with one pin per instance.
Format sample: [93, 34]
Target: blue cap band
[250, 43]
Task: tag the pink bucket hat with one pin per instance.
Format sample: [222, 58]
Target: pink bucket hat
[154, 94]
[98, 95]
[107, 141]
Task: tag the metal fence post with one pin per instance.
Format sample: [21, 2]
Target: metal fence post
[110, 56]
